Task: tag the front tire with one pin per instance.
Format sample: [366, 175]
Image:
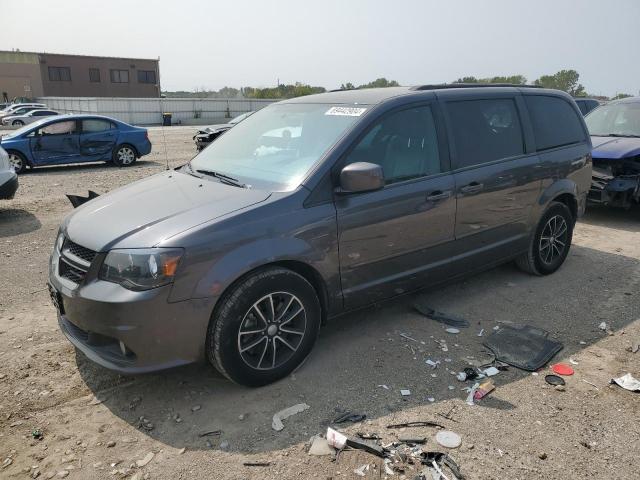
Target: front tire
[17, 161]
[18, 123]
[264, 327]
[124, 156]
[550, 242]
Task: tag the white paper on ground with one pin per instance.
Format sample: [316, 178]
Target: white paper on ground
[628, 382]
[277, 424]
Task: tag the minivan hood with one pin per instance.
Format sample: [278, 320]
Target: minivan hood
[144, 213]
[615, 147]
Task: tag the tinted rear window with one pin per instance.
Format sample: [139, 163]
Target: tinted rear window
[485, 130]
[555, 122]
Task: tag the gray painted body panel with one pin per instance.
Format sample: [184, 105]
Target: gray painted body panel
[360, 247]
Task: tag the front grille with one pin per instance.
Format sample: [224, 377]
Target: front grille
[78, 250]
[70, 272]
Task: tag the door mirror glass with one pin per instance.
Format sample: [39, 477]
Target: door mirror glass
[361, 177]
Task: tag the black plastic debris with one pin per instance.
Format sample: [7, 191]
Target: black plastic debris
[441, 317]
[213, 433]
[554, 380]
[350, 417]
[416, 424]
[77, 200]
[256, 464]
[367, 446]
[522, 346]
[439, 459]
[413, 440]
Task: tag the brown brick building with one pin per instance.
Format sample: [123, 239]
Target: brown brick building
[29, 74]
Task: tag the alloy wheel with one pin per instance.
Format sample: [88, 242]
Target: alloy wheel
[553, 240]
[272, 331]
[126, 156]
[15, 161]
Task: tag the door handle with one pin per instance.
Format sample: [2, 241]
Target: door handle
[473, 187]
[579, 162]
[438, 195]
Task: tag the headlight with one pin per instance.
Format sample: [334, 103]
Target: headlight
[139, 269]
[59, 242]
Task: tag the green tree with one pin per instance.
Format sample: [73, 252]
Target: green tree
[515, 79]
[380, 83]
[621, 95]
[347, 86]
[565, 80]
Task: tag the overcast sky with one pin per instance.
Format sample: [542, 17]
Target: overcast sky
[254, 42]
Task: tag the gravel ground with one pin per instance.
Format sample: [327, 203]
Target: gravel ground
[97, 424]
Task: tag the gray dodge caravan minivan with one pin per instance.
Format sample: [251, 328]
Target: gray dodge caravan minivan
[312, 207]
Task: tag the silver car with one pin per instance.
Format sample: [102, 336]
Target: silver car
[20, 108]
[8, 177]
[26, 118]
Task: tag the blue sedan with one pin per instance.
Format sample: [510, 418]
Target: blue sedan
[75, 139]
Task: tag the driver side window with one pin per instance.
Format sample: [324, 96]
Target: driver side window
[403, 143]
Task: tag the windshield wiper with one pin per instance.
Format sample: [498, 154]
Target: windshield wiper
[226, 179]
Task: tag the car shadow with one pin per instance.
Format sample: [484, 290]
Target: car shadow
[15, 221]
[87, 167]
[361, 360]
[618, 218]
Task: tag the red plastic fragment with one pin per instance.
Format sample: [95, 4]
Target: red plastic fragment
[562, 369]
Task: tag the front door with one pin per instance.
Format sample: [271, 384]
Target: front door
[496, 181]
[56, 142]
[394, 240]
[97, 139]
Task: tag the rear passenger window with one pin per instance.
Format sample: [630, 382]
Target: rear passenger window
[90, 126]
[485, 130]
[404, 144]
[555, 122]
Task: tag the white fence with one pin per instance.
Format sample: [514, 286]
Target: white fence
[148, 111]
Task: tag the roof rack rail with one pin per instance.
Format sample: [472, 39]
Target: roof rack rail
[442, 86]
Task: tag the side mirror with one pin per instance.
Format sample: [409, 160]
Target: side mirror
[361, 177]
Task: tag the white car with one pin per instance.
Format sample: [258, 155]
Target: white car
[8, 178]
[28, 117]
[22, 108]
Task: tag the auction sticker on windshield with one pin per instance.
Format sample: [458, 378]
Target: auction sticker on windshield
[346, 111]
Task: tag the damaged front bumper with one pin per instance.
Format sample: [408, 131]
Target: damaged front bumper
[615, 188]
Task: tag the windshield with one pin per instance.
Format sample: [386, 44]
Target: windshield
[617, 119]
[275, 148]
[239, 118]
[21, 130]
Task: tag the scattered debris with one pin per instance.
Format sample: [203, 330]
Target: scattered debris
[560, 388]
[420, 423]
[320, 447]
[468, 374]
[361, 471]
[634, 347]
[472, 392]
[350, 417]
[195, 408]
[366, 445]
[554, 380]
[431, 363]
[145, 423]
[451, 320]
[542, 456]
[256, 464]
[437, 460]
[147, 458]
[562, 369]
[383, 386]
[592, 384]
[224, 445]
[405, 392]
[523, 346]
[481, 332]
[277, 424]
[483, 390]
[37, 434]
[336, 439]
[212, 433]
[404, 335]
[452, 330]
[413, 440]
[111, 444]
[491, 371]
[603, 326]
[627, 382]
[448, 439]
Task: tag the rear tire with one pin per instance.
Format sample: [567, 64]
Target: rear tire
[550, 242]
[124, 155]
[255, 336]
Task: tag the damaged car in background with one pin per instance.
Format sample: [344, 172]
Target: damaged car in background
[206, 135]
[615, 134]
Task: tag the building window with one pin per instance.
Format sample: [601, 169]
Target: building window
[94, 75]
[119, 76]
[59, 74]
[146, 76]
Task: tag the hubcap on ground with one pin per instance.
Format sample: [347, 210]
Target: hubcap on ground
[272, 331]
[126, 156]
[553, 240]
